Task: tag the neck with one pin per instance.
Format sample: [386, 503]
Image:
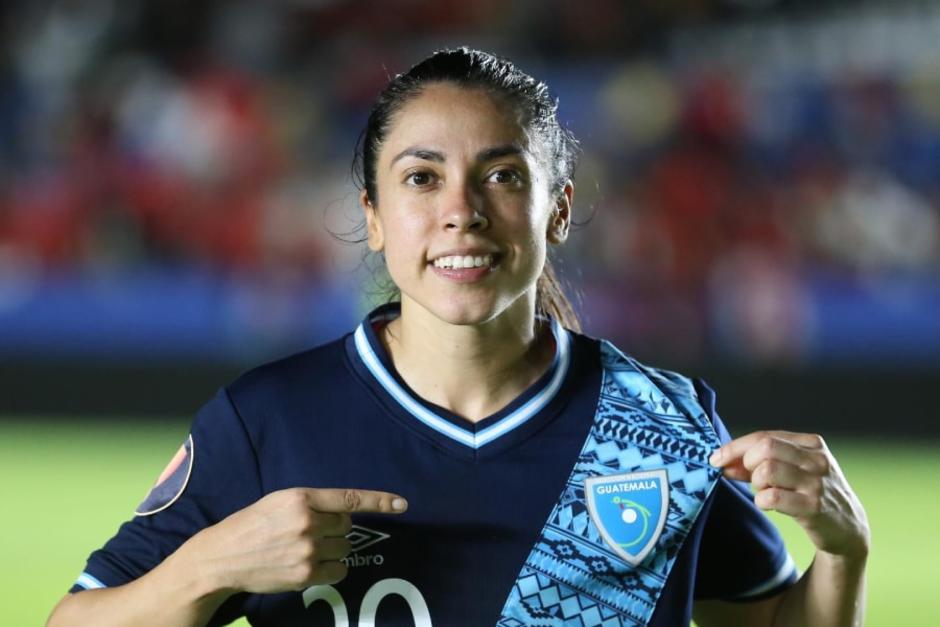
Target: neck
[471, 370]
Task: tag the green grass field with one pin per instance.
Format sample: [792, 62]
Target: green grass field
[67, 485]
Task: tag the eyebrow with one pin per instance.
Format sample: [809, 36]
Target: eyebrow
[419, 153]
[487, 154]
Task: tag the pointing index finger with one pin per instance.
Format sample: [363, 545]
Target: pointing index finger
[353, 500]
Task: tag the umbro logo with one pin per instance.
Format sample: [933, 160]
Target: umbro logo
[360, 538]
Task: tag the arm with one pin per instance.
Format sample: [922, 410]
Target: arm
[832, 592]
[288, 540]
[177, 592]
[795, 474]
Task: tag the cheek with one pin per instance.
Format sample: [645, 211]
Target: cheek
[531, 225]
[529, 244]
[405, 242]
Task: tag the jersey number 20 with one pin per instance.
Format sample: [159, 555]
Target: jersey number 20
[370, 602]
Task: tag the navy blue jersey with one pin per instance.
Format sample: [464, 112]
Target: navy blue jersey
[479, 494]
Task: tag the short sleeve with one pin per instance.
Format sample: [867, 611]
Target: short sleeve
[742, 556]
[214, 474]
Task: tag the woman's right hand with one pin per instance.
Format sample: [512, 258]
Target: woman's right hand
[287, 540]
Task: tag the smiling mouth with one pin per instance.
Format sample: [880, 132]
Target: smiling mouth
[457, 262]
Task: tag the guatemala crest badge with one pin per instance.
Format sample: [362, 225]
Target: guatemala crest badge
[629, 510]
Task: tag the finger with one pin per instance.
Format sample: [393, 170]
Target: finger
[327, 573]
[737, 471]
[811, 460]
[773, 448]
[773, 473]
[349, 500]
[329, 524]
[735, 449]
[332, 549]
[789, 502]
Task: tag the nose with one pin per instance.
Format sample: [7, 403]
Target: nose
[464, 210]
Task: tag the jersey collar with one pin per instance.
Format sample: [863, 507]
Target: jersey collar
[371, 353]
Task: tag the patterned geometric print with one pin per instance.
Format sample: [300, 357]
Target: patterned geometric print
[646, 419]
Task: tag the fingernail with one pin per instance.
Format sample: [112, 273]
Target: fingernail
[715, 459]
[399, 505]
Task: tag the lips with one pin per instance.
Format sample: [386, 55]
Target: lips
[465, 266]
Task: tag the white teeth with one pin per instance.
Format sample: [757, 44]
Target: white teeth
[463, 261]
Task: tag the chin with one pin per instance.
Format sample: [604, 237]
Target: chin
[470, 311]
[466, 307]
[454, 313]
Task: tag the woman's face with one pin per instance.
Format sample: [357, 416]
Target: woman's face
[464, 206]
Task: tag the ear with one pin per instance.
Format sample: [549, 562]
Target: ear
[560, 220]
[376, 238]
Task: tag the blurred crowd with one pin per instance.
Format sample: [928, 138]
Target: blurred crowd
[739, 175]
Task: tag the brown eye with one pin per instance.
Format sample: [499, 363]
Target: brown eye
[505, 176]
[419, 179]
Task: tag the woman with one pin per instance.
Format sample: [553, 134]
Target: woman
[462, 458]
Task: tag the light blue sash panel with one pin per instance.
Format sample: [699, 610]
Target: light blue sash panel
[646, 420]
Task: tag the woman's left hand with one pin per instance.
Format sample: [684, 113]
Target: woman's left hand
[796, 474]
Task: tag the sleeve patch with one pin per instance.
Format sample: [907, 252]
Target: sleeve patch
[171, 483]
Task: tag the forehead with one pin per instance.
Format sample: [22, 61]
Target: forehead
[453, 119]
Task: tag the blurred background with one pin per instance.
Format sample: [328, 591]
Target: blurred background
[759, 188]
[759, 204]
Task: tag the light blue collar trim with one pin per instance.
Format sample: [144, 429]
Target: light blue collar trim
[469, 438]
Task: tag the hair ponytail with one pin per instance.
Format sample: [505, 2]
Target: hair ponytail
[552, 301]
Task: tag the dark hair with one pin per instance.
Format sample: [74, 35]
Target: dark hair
[530, 97]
